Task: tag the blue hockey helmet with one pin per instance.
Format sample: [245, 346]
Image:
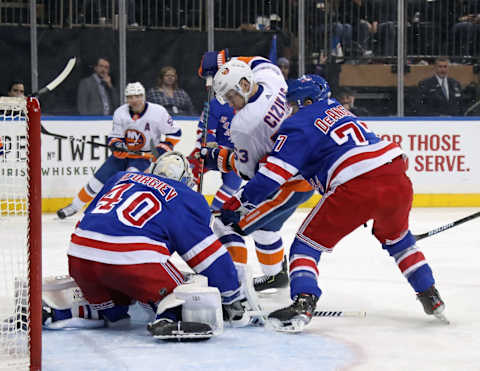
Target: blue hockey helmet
[311, 87]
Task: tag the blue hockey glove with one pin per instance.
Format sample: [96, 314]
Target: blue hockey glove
[234, 209]
[218, 158]
[211, 62]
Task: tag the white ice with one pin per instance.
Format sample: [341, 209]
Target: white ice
[357, 276]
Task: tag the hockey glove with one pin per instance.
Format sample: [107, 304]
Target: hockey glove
[211, 62]
[218, 158]
[119, 149]
[234, 209]
[196, 164]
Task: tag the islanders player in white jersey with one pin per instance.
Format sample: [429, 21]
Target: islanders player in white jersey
[360, 176]
[120, 252]
[137, 125]
[256, 89]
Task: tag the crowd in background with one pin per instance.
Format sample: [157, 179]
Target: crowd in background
[337, 32]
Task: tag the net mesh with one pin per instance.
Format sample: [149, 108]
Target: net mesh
[14, 309]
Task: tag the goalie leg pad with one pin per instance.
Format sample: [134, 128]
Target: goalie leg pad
[57, 319]
[61, 292]
[201, 304]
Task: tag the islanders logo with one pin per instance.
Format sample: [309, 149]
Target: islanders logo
[134, 139]
[225, 71]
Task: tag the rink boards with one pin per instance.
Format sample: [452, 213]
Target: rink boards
[442, 157]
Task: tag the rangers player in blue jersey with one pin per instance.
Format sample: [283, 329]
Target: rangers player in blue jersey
[218, 135]
[360, 176]
[120, 252]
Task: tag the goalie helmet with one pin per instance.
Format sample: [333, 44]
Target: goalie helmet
[134, 88]
[228, 78]
[311, 87]
[174, 165]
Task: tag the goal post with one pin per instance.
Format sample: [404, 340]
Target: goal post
[20, 234]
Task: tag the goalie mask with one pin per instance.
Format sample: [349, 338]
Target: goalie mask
[228, 78]
[174, 165]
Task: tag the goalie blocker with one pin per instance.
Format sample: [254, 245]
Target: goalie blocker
[200, 306]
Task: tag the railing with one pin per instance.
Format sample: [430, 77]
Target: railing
[357, 30]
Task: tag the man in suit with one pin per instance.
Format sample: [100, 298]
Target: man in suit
[440, 95]
[96, 94]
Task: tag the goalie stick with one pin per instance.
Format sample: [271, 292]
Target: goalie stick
[446, 226]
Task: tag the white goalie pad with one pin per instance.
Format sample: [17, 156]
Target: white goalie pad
[61, 292]
[201, 304]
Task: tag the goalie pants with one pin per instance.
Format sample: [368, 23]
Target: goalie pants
[103, 284]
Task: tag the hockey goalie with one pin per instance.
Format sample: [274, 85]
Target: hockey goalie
[119, 254]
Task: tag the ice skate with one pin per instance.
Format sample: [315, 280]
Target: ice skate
[433, 303]
[166, 329]
[295, 317]
[67, 211]
[277, 281]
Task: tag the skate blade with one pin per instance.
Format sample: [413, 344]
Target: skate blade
[442, 318]
[293, 327]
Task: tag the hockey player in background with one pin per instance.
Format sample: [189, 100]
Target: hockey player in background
[120, 252]
[136, 126]
[360, 176]
[255, 88]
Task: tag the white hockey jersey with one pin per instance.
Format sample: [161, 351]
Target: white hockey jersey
[253, 128]
[138, 130]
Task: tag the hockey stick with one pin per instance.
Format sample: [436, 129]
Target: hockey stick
[446, 226]
[209, 84]
[59, 79]
[71, 138]
[319, 313]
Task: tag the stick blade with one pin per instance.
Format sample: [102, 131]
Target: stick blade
[63, 75]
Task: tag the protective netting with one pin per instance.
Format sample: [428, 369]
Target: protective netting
[14, 309]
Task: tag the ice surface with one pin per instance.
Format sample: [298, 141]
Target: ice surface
[357, 276]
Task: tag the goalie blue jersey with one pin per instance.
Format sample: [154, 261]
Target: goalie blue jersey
[326, 144]
[144, 218]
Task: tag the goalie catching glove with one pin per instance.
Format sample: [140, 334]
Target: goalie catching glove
[211, 62]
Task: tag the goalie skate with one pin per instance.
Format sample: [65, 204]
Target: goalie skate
[295, 317]
[169, 330]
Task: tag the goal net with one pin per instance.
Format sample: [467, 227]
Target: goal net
[20, 234]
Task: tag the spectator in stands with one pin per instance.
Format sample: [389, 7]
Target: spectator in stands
[16, 89]
[467, 30]
[354, 16]
[96, 94]
[284, 65]
[346, 97]
[169, 95]
[440, 95]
